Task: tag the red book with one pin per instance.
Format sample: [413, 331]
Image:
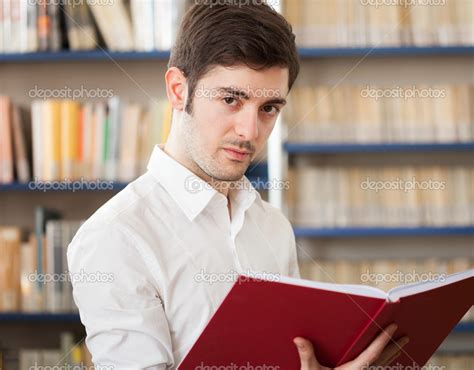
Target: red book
[257, 321]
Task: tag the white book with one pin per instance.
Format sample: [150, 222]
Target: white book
[142, 22]
[37, 138]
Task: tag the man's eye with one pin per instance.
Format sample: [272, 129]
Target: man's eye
[229, 100]
[271, 109]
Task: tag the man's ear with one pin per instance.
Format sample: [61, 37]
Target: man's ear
[176, 88]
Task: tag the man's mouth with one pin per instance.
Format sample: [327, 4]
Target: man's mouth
[238, 154]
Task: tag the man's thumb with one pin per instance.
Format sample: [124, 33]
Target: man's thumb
[306, 353]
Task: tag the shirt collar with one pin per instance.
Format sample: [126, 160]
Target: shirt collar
[190, 192]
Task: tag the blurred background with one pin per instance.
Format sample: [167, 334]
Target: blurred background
[372, 160]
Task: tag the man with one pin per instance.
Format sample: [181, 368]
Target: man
[169, 242]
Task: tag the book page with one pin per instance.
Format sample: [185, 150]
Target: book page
[406, 290]
[361, 290]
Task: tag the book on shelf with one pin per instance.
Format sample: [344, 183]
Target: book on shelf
[452, 361]
[124, 25]
[340, 320]
[70, 354]
[381, 114]
[34, 274]
[347, 23]
[65, 139]
[386, 196]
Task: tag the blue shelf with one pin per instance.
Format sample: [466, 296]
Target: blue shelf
[308, 232]
[115, 186]
[324, 148]
[73, 318]
[305, 53]
[464, 327]
[39, 317]
[257, 173]
[385, 51]
[94, 55]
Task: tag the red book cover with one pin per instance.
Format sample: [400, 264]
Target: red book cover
[257, 321]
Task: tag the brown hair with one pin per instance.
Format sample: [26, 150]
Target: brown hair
[228, 33]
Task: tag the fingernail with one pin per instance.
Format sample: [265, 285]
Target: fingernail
[299, 345]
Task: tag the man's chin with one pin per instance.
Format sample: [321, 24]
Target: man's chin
[231, 175]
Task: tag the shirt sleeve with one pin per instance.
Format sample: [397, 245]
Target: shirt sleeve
[118, 302]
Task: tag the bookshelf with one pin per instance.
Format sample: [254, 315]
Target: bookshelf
[426, 51]
[305, 54]
[257, 174]
[307, 232]
[384, 66]
[22, 317]
[321, 148]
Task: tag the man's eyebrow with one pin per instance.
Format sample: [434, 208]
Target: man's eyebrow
[234, 91]
[280, 101]
[242, 94]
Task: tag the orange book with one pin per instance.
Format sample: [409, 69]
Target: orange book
[69, 138]
[10, 289]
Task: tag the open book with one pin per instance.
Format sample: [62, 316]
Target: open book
[257, 321]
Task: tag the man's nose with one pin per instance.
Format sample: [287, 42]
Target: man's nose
[247, 124]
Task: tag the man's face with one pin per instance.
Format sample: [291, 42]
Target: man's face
[234, 110]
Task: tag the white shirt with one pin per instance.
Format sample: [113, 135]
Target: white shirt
[149, 259]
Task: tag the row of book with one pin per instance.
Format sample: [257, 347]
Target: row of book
[384, 274]
[64, 139]
[450, 362]
[34, 273]
[341, 196]
[348, 23]
[360, 114]
[141, 25]
[69, 355]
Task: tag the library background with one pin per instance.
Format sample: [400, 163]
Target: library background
[376, 143]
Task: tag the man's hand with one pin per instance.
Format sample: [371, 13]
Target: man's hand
[378, 353]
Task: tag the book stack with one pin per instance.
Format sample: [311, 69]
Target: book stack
[34, 273]
[69, 356]
[453, 361]
[65, 139]
[139, 25]
[381, 114]
[348, 23]
[384, 274]
[341, 196]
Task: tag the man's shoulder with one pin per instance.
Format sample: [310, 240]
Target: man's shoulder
[124, 207]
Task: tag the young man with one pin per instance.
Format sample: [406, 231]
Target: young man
[165, 250]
